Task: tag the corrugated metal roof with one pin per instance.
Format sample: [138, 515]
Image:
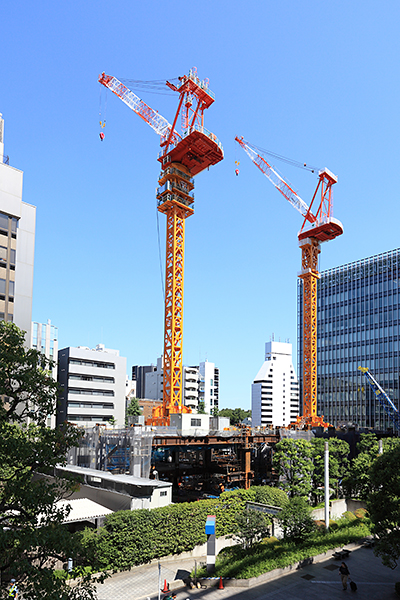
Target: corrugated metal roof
[106, 475]
[83, 509]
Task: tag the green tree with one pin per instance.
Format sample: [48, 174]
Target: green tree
[236, 415]
[201, 408]
[32, 537]
[357, 484]
[384, 505]
[296, 521]
[338, 465]
[133, 409]
[252, 526]
[265, 494]
[293, 464]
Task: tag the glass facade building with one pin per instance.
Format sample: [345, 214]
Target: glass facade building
[358, 325]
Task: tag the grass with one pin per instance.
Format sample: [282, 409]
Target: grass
[273, 554]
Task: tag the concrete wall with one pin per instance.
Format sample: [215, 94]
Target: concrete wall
[337, 508]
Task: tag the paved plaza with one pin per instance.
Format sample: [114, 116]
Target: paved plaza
[318, 581]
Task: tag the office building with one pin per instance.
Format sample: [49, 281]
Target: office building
[17, 245]
[45, 340]
[139, 376]
[153, 386]
[275, 389]
[93, 386]
[358, 325]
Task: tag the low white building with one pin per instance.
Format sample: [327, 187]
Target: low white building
[275, 389]
[118, 492]
[92, 386]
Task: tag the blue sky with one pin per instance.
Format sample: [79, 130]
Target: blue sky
[311, 80]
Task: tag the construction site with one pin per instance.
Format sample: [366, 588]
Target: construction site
[199, 455]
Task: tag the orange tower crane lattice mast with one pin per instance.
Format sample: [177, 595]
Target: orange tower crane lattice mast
[316, 228]
[183, 155]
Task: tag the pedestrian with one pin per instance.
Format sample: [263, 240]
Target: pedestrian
[344, 573]
[13, 591]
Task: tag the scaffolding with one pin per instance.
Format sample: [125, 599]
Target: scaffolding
[126, 451]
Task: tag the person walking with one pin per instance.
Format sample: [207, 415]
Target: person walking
[344, 573]
[13, 591]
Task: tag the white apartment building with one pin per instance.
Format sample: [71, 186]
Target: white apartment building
[190, 387]
[209, 386]
[93, 386]
[275, 389]
[17, 246]
[200, 383]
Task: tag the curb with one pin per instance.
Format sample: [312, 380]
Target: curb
[276, 573]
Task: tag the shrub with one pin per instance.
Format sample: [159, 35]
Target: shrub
[295, 520]
[349, 515]
[361, 513]
[136, 537]
[264, 494]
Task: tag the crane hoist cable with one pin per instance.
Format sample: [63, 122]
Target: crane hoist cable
[285, 159]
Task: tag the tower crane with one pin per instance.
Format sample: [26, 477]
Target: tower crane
[183, 155]
[319, 226]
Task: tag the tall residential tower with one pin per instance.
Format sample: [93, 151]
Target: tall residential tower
[275, 391]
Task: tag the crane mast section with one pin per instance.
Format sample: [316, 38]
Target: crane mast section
[156, 121]
[281, 185]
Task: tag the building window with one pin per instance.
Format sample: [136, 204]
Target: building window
[91, 392]
[195, 422]
[163, 493]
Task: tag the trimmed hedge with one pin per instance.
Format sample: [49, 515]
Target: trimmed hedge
[136, 537]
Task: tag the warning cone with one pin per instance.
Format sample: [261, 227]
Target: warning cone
[221, 585]
[166, 587]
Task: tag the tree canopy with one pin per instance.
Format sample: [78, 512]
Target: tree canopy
[357, 483]
[338, 464]
[295, 520]
[293, 464]
[236, 415]
[32, 537]
[133, 409]
[384, 505]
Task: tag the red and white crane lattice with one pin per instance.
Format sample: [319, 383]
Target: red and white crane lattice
[318, 226]
[183, 155]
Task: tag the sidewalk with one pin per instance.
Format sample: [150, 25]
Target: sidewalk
[314, 582]
[142, 582]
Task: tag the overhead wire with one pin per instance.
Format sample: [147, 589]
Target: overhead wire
[157, 86]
